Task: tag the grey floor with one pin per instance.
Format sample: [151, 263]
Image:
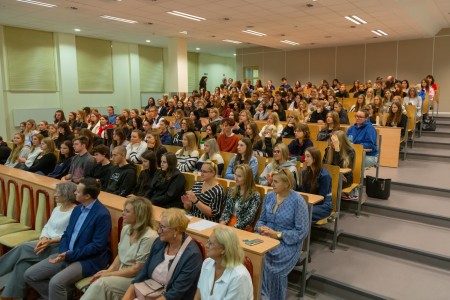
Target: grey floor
[421, 186]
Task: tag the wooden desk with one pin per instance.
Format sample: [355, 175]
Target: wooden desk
[115, 206]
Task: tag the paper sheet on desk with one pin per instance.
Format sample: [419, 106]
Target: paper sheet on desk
[202, 225]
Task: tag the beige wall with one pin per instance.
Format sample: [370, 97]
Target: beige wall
[408, 59]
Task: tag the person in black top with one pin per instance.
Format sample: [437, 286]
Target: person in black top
[202, 83]
[46, 161]
[342, 93]
[64, 134]
[5, 151]
[320, 114]
[102, 170]
[149, 167]
[66, 153]
[123, 175]
[167, 185]
[43, 128]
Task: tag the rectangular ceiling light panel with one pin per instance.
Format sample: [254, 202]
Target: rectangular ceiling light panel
[37, 3]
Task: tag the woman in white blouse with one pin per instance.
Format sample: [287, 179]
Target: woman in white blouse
[18, 260]
[223, 275]
[136, 239]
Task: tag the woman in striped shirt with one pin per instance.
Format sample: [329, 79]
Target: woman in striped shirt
[206, 198]
[188, 155]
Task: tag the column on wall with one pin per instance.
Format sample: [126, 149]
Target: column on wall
[177, 65]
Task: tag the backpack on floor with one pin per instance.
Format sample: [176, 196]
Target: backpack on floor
[429, 124]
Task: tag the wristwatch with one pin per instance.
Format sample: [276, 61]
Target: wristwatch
[279, 234]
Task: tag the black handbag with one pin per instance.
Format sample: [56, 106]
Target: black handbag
[429, 124]
[378, 187]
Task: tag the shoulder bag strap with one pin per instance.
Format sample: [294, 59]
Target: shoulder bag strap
[177, 257]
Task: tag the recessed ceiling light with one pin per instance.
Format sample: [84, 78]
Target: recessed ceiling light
[290, 42]
[197, 49]
[379, 32]
[355, 19]
[232, 41]
[376, 32]
[147, 41]
[234, 54]
[183, 32]
[77, 29]
[37, 3]
[187, 16]
[254, 32]
[118, 19]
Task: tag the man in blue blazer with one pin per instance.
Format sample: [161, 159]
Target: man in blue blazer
[84, 247]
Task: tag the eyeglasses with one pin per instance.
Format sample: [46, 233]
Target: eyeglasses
[205, 171]
[162, 228]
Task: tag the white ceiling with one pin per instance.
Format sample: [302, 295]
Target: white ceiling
[318, 26]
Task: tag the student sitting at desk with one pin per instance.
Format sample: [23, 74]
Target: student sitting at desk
[280, 160]
[301, 142]
[396, 118]
[242, 200]
[244, 155]
[317, 180]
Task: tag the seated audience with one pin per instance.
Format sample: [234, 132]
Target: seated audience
[35, 151]
[280, 161]
[154, 144]
[164, 134]
[244, 155]
[121, 123]
[187, 125]
[265, 146]
[413, 99]
[242, 201]
[195, 118]
[19, 152]
[320, 114]
[119, 139]
[227, 140]
[82, 162]
[136, 124]
[188, 155]
[211, 132]
[182, 283]
[104, 125]
[301, 142]
[272, 120]
[123, 175]
[94, 140]
[103, 167]
[206, 198]
[341, 153]
[396, 118]
[284, 216]
[136, 147]
[360, 103]
[66, 154]
[252, 132]
[5, 151]
[245, 117]
[30, 130]
[80, 120]
[278, 108]
[136, 240]
[223, 275]
[94, 123]
[317, 180]
[82, 252]
[43, 128]
[16, 261]
[149, 168]
[288, 130]
[343, 116]
[167, 185]
[365, 134]
[46, 161]
[332, 124]
[261, 112]
[211, 151]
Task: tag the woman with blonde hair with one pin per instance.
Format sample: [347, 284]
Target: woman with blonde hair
[80, 120]
[245, 118]
[265, 146]
[284, 217]
[305, 113]
[205, 199]
[242, 201]
[188, 155]
[20, 151]
[35, 151]
[46, 161]
[136, 240]
[292, 120]
[179, 115]
[225, 258]
[211, 151]
[280, 160]
[272, 120]
[341, 153]
[370, 95]
[29, 131]
[182, 284]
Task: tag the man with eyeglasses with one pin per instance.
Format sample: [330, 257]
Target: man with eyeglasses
[365, 134]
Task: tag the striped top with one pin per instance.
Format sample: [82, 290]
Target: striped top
[186, 161]
[214, 198]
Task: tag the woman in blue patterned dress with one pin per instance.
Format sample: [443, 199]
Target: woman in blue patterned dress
[284, 217]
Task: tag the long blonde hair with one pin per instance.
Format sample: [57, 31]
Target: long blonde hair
[273, 136]
[192, 142]
[344, 146]
[17, 148]
[250, 187]
[143, 210]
